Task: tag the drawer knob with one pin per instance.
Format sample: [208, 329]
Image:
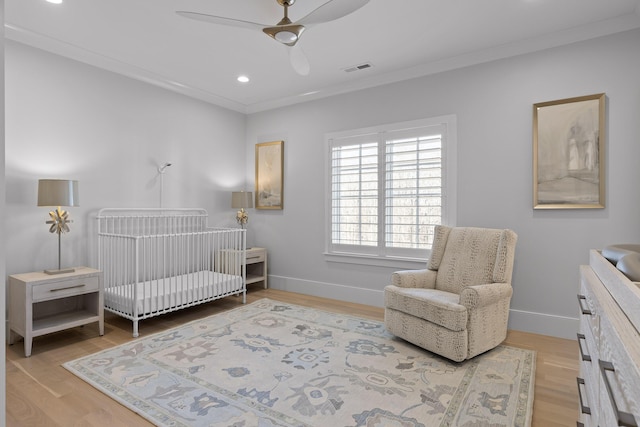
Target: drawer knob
[582, 309]
[585, 357]
[584, 409]
[624, 418]
[67, 288]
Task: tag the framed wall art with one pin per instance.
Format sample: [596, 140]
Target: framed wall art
[269, 175]
[568, 153]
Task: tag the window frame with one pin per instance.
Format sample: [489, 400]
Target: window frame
[375, 255]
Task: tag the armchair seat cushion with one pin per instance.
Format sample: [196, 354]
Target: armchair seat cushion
[432, 305]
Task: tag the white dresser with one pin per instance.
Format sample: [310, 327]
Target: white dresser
[609, 341]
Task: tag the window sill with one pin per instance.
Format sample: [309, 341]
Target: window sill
[378, 261]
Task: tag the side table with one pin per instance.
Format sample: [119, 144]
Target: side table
[257, 266]
[255, 261]
[40, 303]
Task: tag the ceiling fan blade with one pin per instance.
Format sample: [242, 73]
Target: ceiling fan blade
[221, 20]
[299, 60]
[331, 10]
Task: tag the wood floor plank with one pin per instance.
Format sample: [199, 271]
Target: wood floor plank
[40, 392]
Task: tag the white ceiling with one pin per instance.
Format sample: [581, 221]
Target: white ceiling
[145, 39]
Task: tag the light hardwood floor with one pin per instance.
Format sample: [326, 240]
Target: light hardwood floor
[40, 392]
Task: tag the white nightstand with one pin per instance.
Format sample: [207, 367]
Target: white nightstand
[257, 266]
[255, 261]
[40, 303]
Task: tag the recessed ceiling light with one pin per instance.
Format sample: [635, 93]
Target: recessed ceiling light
[243, 79]
[55, 1]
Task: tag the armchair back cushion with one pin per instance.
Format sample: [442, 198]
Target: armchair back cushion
[467, 256]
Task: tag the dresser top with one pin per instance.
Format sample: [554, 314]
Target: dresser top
[625, 292]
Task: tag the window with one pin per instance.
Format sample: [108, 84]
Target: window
[388, 187]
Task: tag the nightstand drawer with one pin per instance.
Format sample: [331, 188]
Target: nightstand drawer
[257, 256]
[64, 288]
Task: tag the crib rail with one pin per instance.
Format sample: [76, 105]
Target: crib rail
[155, 261]
[151, 221]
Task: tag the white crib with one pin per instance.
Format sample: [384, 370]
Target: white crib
[155, 261]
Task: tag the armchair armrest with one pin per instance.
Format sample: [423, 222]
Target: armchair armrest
[414, 279]
[482, 295]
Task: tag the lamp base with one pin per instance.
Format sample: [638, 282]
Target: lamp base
[61, 271]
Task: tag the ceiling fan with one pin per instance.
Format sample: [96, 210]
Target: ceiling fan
[286, 32]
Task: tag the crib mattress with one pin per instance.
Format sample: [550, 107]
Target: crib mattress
[169, 293]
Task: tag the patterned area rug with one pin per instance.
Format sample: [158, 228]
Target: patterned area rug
[275, 364]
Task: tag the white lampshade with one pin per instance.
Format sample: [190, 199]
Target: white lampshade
[58, 192]
[241, 199]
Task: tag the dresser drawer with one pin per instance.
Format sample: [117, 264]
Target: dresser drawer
[65, 288]
[611, 341]
[589, 351]
[589, 369]
[618, 363]
[590, 309]
[619, 381]
[589, 391]
[588, 397]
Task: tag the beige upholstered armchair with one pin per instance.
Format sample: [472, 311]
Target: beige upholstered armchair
[459, 306]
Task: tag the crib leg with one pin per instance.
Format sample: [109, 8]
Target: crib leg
[135, 329]
[244, 296]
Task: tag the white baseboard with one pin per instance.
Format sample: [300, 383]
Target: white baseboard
[538, 323]
[328, 290]
[544, 324]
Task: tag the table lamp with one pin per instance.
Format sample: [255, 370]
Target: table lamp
[241, 200]
[58, 192]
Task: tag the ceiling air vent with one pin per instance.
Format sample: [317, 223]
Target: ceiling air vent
[358, 67]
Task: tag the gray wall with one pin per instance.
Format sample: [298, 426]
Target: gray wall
[65, 119]
[493, 103]
[111, 132]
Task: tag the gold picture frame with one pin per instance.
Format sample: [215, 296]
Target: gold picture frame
[269, 187]
[568, 153]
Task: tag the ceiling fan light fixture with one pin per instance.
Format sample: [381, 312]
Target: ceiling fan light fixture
[285, 34]
[286, 37]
